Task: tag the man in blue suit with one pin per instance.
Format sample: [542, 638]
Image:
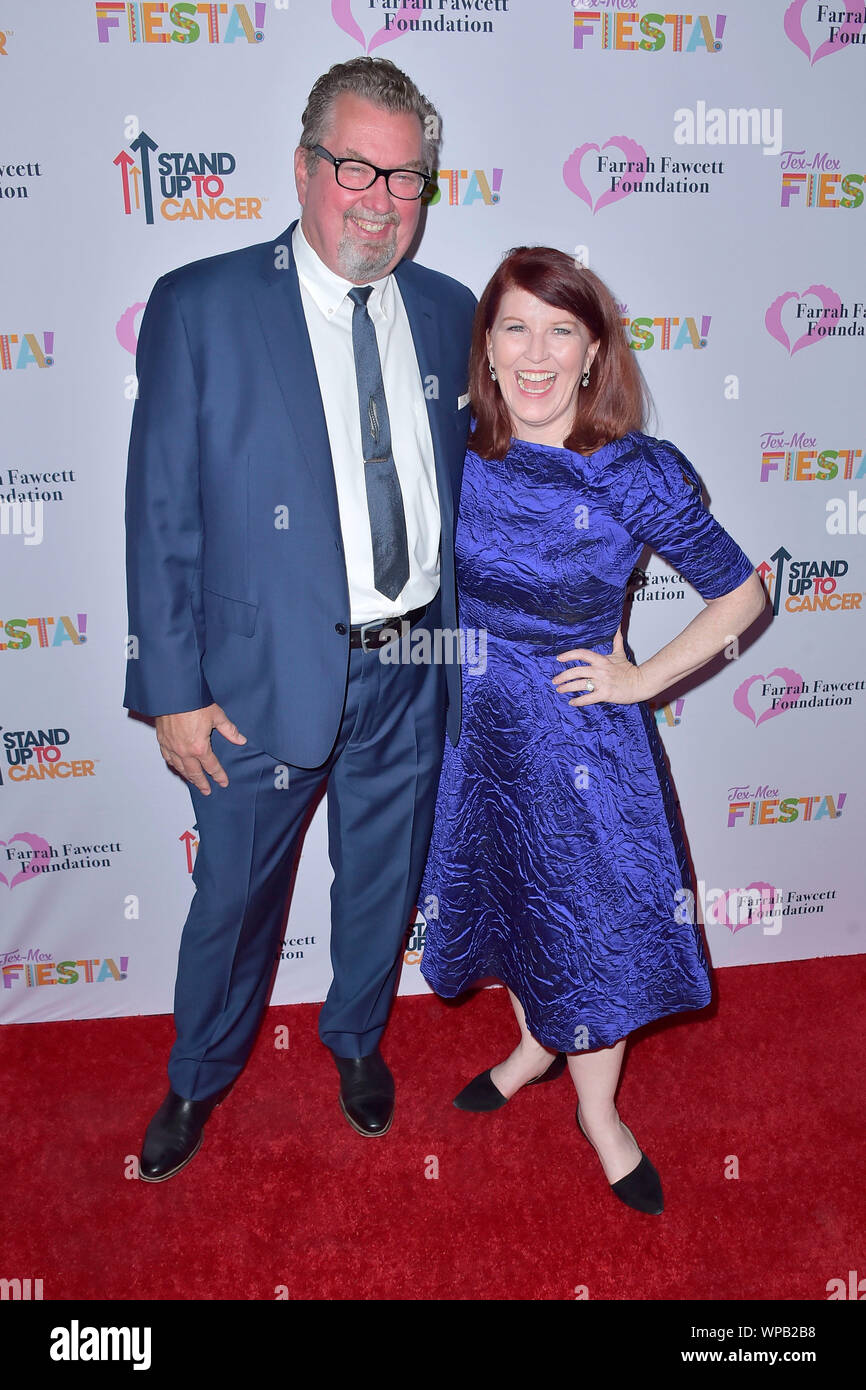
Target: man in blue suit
[294, 468]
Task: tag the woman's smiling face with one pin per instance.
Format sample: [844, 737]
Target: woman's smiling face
[540, 353]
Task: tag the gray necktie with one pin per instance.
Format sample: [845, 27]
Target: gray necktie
[384, 498]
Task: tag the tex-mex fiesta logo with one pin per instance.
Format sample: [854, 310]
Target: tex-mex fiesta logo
[40, 755]
[47, 631]
[180, 185]
[460, 187]
[806, 586]
[816, 180]
[667, 333]
[32, 967]
[161, 21]
[625, 31]
[794, 457]
[762, 805]
[20, 350]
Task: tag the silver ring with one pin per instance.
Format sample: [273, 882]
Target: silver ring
[589, 688]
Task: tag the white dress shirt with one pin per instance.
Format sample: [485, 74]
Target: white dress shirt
[328, 313]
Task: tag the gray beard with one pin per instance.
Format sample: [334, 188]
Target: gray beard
[360, 263]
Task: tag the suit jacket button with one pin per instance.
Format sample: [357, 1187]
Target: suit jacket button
[341, 628]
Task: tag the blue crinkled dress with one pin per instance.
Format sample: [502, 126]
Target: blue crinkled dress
[557, 853]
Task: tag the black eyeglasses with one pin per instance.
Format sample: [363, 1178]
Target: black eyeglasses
[358, 174]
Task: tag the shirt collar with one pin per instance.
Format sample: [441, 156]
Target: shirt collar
[328, 290]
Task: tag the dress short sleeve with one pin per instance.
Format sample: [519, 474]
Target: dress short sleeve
[662, 506]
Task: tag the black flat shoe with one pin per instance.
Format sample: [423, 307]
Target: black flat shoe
[481, 1094]
[366, 1093]
[174, 1135]
[641, 1189]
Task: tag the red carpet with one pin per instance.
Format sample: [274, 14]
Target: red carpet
[284, 1193]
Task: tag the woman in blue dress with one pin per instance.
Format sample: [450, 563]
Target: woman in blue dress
[557, 863]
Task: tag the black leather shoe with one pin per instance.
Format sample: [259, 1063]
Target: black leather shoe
[174, 1135]
[482, 1095]
[366, 1092]
[641, 1189]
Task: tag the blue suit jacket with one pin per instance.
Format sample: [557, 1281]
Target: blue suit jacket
[228, 428]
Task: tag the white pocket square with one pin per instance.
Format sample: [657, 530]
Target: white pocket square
[462, 400]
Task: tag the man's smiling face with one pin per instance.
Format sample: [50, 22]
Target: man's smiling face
[361, 235]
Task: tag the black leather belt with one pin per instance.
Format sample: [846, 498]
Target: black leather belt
[379, 634]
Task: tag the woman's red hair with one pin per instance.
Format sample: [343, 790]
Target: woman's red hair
[616, 399]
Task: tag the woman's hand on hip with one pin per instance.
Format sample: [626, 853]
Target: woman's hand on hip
[614, 679]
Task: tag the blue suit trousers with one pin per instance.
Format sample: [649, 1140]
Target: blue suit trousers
[381, 779]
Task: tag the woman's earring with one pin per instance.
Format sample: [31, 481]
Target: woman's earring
[584, 380]
[492, 371]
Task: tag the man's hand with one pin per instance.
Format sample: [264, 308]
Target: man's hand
[184, 741]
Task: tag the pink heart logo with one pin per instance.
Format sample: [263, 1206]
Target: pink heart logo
[793, 25]
[830, 301]
[125, 327]
[793, 685]
[573, 177]
[31, 868]
[719, 915]
[341, 11]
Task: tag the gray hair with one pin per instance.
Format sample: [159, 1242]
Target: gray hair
[376, 80]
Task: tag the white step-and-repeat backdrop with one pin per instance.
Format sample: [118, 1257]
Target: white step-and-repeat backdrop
[710, 166]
